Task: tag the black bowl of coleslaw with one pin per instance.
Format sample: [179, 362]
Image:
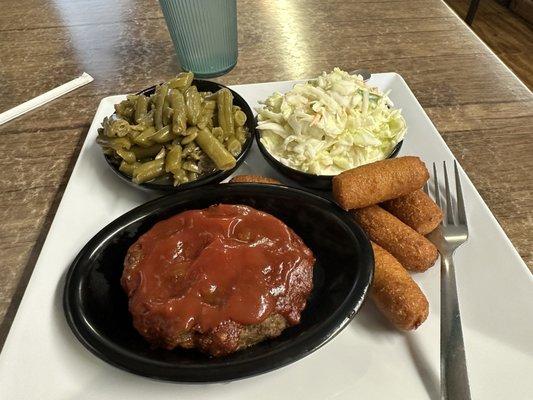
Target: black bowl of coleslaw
[315, 109]
[311, 181]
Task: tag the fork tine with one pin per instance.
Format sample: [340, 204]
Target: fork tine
[436, 182]
[461, 213]
[426, 188]
[449, 204]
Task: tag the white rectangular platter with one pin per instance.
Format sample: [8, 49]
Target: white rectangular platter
[43, 360]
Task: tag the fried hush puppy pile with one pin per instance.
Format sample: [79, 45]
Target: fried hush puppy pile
[385, 199]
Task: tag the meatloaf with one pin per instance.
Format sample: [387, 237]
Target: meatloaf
[217, 280]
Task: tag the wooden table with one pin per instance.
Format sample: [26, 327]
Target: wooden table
[481, 109]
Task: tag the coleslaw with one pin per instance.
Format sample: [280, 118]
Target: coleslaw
[330, 124]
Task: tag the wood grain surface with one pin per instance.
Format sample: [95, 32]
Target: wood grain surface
[481, 109]
[508, 34]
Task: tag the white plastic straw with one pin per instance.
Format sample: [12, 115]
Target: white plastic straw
[44, 98]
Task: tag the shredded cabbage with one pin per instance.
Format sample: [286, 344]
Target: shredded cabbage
[330, 124]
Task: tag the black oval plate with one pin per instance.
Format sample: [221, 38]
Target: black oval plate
[96, 307]
[164, 185]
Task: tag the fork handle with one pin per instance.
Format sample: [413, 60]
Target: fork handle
[454, 376]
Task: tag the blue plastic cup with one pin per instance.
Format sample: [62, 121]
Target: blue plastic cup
[204, 33]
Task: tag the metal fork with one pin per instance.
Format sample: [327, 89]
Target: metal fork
[363, 72]
[449, 235]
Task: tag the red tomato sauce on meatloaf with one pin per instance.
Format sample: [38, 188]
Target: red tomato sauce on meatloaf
[201, 268]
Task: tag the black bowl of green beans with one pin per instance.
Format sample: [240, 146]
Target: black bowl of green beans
[177, 135]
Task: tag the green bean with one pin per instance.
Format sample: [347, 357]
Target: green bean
[239, 117]
[206, 114]
[193, 103]
[215, 150]
[225, 112]
[136, 129]
[234, 147]
[192, 176]
[191, 130]
[179, 115]
[114, 126]
[114, 143]
[180, 177]
[123, 143]
[103, 140]
[190, 166]
[160, 94]
[218, 133]
[126, 155]
[129, 113]
[208, 96]
[190, 138]
[241, 134]
[182, 81]
[145, 121]
[143, 138]
[145, 152]
[133, 134]
[108, 151]
[195, 154]
[161, 155]
[189, 149]
[167, 115]
[173, 159]
[124, 109]
[163, 135]
[149, 170]
[141, 108]
[210, 104]
[127, 168]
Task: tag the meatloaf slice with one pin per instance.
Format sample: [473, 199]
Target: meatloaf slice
[226, 338]
[218, 279]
